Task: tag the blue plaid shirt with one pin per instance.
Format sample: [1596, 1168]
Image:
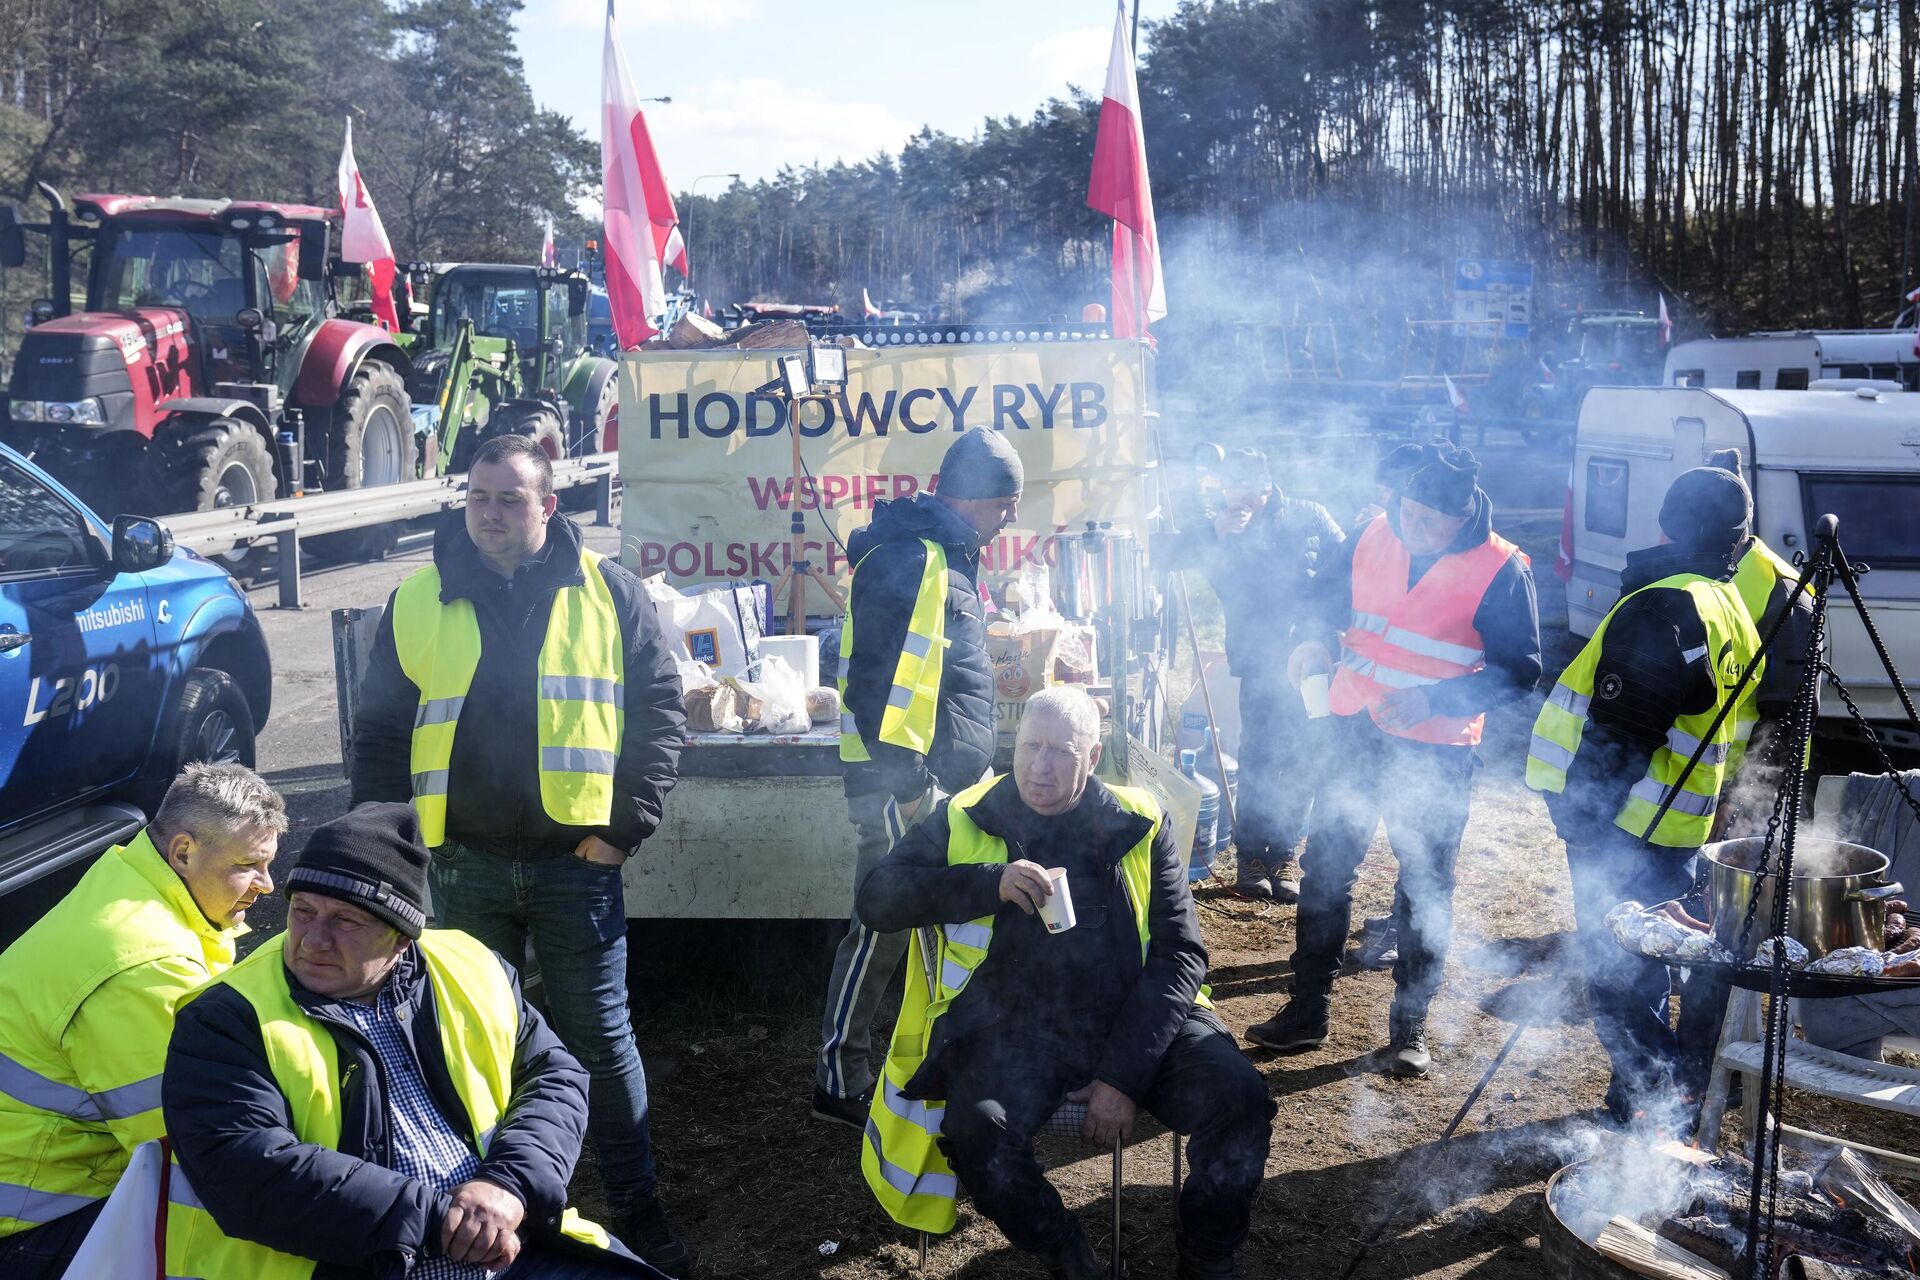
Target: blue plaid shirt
[424, 1144]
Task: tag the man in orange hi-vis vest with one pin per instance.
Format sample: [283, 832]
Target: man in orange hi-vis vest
[1436, 624]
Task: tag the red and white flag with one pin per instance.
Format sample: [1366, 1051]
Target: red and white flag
[1454, 398]
[1666, 323]
[1914, 298]
[1546, 371]
[642, 230]
[1119, 189]
[867, 308]
[549, 256]
[363, 238]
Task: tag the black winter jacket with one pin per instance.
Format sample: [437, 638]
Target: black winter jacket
[1508, 618]
[493, 799]
[1260, 576]
[1130, 1010]
[888, 559]
[1644, 681]
[349, 1210]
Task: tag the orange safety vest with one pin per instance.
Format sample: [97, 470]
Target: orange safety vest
[1400, 639]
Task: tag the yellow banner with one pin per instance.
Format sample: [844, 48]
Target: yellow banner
[706, 451]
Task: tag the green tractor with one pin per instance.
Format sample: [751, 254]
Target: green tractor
[503, 349]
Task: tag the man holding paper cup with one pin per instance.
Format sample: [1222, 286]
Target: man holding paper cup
[1074, 973]
[1436, 624]
[1257, 534]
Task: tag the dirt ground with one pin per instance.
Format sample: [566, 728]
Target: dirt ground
[761, 1190]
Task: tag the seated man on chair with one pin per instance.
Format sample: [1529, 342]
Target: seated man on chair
[1110, 1011]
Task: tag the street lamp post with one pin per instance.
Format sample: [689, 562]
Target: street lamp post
[692, 191]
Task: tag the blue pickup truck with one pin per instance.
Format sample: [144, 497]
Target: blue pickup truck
[121, 659]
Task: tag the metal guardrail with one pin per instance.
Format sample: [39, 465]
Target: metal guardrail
[287, 520]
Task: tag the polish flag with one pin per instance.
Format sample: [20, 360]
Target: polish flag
[1546, 371]
[867, 308]
[549, 256]
[363, 238]
[642, 230]
[1454, 398]
[1666, 323]
[1119, 189]
[1914, 298]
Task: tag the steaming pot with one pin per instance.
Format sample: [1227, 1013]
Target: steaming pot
[1844, 905]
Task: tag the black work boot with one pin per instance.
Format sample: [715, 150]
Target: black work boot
[1407, 1054]
[1301, 1024]
[645, 1230]
[1250, 879]
[1076, 1260]
[851, 1112]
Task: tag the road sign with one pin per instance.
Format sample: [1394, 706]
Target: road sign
[1492, 298]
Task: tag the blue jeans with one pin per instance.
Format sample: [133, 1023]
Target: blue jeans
[1628, 995]
[576, 915]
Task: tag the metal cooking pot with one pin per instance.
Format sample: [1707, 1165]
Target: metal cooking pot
[1838, 899]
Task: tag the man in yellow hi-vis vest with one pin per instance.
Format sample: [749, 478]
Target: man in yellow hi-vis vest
[90, 993]
[365, 1096]
[1611, 745]
[1022, 1015]
[916, 722]
[522, 696]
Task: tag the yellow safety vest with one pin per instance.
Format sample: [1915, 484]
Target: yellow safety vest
[901, 1157]
[582, 683]
[78, 1094]
[1732, 643]
[908, 719]
[478, 1017]
[1754, 578]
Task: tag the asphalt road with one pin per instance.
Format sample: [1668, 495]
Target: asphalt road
[299, 753]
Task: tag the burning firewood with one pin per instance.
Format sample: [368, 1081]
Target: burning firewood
[1799, 1268]
[1639, 1250]
[1848, 1180]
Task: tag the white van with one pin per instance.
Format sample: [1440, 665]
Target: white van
[1794, 361]
[1852, 453]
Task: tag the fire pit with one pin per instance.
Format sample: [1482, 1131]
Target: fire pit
[1641, 1211]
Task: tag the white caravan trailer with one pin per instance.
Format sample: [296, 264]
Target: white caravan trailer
[1794, 361]
[1854, 453]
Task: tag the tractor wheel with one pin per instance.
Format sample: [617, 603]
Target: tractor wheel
[210, 464]
[592, 434]
[370, 445]
[530, 418]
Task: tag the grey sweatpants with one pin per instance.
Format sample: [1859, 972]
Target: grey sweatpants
[866, 961]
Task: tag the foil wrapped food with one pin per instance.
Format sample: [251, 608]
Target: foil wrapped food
[1851, 962]
[1659, 935]
[1796, 953]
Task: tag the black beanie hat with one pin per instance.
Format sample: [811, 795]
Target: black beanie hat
[1446, 481]
[1398, 465]
[981, 464]
[1707, 509]
[372, 857]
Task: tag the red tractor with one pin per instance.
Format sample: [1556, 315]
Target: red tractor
[210, 367]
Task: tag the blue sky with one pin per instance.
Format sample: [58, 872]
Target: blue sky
[757, 84]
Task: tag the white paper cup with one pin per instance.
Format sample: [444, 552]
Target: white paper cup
[1056, 911]
[1313, 692]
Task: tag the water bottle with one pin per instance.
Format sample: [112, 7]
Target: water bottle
[1206, 825]
[1211, 769]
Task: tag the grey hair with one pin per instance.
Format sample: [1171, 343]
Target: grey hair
[229, 798]
[1074, 706]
